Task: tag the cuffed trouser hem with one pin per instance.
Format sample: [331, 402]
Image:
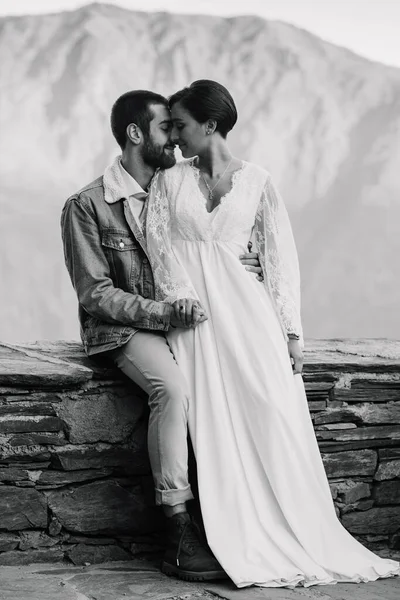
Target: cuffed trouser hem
[173, 497]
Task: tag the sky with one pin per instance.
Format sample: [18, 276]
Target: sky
[368, 27]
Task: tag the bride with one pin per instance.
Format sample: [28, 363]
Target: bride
[265, 499]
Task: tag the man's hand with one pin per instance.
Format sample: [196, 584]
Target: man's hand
[251, 262]
[296, 355]
[187, 313]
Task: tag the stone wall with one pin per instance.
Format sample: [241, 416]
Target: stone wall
[75, 480]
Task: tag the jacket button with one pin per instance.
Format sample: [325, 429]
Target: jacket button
[121, 245]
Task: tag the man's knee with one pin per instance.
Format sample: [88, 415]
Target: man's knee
[169, 393]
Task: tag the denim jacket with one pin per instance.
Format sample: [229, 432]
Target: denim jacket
[105, 254]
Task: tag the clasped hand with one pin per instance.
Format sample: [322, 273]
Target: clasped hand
[187, 313]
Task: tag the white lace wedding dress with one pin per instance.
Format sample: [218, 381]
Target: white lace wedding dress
[265, 499]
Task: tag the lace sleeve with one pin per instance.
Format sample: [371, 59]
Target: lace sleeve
[278, 258]
[170, 278]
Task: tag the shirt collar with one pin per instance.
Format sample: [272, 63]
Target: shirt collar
[118, 183]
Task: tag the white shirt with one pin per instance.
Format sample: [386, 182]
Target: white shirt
[135, 194]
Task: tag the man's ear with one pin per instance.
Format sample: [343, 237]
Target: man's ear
[134, 133]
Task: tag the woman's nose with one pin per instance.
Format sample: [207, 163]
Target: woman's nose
[174, 135]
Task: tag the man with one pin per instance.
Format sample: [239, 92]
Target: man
[106, 256]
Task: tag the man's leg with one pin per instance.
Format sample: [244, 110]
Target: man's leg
[148, 361]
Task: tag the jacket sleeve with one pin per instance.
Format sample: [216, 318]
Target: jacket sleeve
[278, 257]
[90, 275]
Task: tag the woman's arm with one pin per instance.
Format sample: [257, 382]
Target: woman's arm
[172, 283]
[278, 257]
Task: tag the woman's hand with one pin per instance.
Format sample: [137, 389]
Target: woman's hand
[187, 313]
[296, 354]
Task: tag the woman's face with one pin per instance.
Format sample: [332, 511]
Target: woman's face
[189, 134]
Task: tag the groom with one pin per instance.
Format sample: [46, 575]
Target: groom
[105, 254]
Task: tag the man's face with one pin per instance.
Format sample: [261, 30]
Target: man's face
[158, 150]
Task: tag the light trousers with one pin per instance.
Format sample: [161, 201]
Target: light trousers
[148, 361]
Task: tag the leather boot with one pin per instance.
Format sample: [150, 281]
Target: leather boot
[187, 556]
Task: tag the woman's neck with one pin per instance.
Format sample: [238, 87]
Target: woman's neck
[215, 159]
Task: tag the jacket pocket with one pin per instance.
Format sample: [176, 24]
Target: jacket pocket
[119, 240]
[123, 254]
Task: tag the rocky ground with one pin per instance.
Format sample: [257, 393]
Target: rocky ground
[141, 580]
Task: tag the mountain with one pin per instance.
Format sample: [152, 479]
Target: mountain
[324, 121]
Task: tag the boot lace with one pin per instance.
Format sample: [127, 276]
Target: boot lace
[190, 538]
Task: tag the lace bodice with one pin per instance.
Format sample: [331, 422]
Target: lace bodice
[234, 215]
[177, 211]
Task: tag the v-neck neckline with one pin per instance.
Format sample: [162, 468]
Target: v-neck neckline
[234, 179]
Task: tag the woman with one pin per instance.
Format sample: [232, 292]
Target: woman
[265, 499]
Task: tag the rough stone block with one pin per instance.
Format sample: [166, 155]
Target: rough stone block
[331, 446]
[138, 549]
[350, 491]
[336, 415]
[378, 520]
[27, 408]
[22, 508]
[364, 504]
[334, 492]
[388, 492]
[13, 391]
[389, 453]
[8, 541]
[350, 464]
[23, 454]
[83, 554]
[29, 369]
[391, 382]
[388, 469]
[72, 458]
[55, 527]
[55, 479]
[362, 433]
[44, 555]
[105, 417]
[36, 439]
[12, 474]
[395, 541]
[28, 423]
[316, 405]
[335, 426]
[377, 414]
[35, 539]
[90, 541]
[318, 387]
[102, 508]
[373, 394]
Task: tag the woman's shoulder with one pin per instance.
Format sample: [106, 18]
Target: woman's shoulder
[258, 170]
[179, 167]
[258, 175]
[178, 171]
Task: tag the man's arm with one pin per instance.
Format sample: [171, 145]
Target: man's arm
[90, 275]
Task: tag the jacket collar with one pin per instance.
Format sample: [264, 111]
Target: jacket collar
[118, 183]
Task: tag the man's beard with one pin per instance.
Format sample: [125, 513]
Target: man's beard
[155, 156]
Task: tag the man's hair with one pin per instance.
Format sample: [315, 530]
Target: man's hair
[133, 107]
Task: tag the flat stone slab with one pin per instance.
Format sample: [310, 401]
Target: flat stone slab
[26, 368]
[141, 580]
[383, 589]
